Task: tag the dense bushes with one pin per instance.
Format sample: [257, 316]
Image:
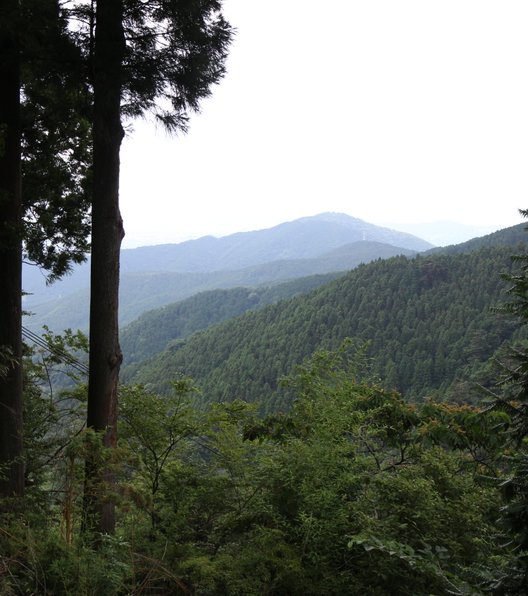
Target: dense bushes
[353, 491]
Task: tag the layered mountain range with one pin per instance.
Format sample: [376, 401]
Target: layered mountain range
[427, 318]
[154, 276]
[430, 326]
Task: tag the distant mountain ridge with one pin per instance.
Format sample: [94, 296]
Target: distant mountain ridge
[445, 233]
[157, 275]
[141, 292]
[304, 238]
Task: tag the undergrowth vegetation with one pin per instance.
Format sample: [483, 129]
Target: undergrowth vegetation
[353, 491]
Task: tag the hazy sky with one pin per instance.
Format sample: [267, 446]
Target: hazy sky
[393, 111]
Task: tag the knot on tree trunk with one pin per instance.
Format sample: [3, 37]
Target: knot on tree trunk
[116, 359]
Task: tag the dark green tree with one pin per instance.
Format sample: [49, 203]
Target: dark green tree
[160, 56]
[56, 142]
[44, 133]
[107, 232]
[513, 398]
[11, 464]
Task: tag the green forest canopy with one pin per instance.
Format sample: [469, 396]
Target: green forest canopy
[428, 323]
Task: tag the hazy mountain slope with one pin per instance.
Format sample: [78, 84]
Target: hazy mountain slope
[507, 237]
[141, 292]
[427, 320]
[304, 238]
[444, 233]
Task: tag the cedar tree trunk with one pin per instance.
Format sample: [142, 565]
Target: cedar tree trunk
[107, 234]
[11, 463]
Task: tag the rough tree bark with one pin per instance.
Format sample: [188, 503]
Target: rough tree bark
[107, 234]
[11, 463]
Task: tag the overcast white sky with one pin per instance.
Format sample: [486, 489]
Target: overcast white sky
[393, 111]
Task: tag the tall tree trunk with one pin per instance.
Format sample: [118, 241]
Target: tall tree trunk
[11, 463]
[107, 234]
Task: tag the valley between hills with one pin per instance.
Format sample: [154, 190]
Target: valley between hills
[341, 414]
[425, 314]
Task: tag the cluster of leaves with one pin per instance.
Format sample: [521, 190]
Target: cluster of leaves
[56, 141]
[353, 491]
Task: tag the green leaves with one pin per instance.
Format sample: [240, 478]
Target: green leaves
[56, 141]
[153, 427]
[352, 491]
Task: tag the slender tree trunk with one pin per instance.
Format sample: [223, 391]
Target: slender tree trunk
[107, 234]
[11, 463]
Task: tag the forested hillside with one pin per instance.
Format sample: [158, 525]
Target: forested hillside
[152, 331]
[143, 291]
[428, 322]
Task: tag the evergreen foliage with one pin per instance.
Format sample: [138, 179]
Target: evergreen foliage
[428, 323]
[56, 141]
[155, 329]
[510, 395]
